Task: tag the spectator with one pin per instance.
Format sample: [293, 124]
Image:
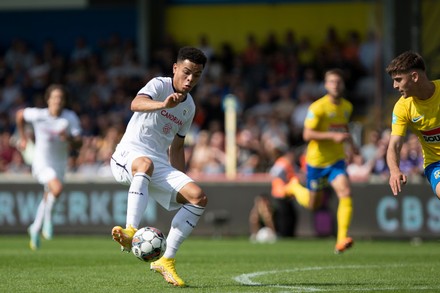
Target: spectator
[310, 85]
[217, 156]
[285, 104]
[248, 147]
[380, 169]
[81, 50]
[200, 153]
[206, 47]
[10, 92]
[411, 159]
[7, 151]
[368, 150]
[17, 165]
[369, 51]
[282, 171]
[19, 56]
[298, 116]
[358, 169]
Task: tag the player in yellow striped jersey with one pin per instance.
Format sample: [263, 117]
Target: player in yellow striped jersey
[326, 131]
[418, 108]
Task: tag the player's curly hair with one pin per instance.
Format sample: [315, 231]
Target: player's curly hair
[192, 54]
[53, 87]
[406, 62]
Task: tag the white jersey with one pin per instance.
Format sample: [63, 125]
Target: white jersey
[50, 150]
[152, 133]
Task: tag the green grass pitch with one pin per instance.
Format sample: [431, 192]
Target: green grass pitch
[94, 264]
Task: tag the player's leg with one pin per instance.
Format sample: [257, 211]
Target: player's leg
[193, 201]
[316, 182]
[55, 188]
[301, 193]
[341, 185]
[139, 179]
[35, 228]
[431, 174]
[437, 190]
[43, 175]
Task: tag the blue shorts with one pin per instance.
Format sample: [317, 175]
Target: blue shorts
[319, 178]
[432, 173]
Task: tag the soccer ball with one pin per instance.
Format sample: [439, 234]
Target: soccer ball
[149, 244]
[266, 235]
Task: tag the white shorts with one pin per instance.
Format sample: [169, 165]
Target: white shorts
[165, 183]
[46, 174]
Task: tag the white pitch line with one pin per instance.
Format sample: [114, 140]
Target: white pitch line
[246, 279]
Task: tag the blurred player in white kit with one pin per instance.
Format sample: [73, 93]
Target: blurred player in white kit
[56, 130]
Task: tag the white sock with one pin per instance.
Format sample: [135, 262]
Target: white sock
[38, 221]
[50, 201]
[181, 227]
[137, 199]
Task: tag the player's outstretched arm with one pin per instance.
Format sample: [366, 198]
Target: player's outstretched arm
[20, 122]
[397, 178]
[144, 103]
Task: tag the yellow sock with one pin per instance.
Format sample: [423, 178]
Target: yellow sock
[301, 193]
[345, 211]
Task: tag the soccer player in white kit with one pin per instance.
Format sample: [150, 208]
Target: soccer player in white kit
[150, 158]
[56, 129]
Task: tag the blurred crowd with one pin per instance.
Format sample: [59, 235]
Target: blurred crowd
[274, 81]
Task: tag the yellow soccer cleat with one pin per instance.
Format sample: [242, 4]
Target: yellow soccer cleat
[166, 267]
[123, 236]
[343, 245]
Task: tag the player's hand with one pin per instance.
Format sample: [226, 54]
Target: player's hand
[63, 135]
[21, 144]
[339, 137]
[396, 181]
[173, 100]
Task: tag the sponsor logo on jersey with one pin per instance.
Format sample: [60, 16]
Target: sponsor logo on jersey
[416, 119]
[338, 128]
[171, 117]
[432, 135]
[167, 128]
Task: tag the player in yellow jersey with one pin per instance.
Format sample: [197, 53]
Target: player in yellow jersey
[326, 131]
[418, 108]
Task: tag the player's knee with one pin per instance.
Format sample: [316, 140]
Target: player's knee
[143, 165]
[343, 191]
[200, 199]
[194, 195]
[56, 187]
[437, 190]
